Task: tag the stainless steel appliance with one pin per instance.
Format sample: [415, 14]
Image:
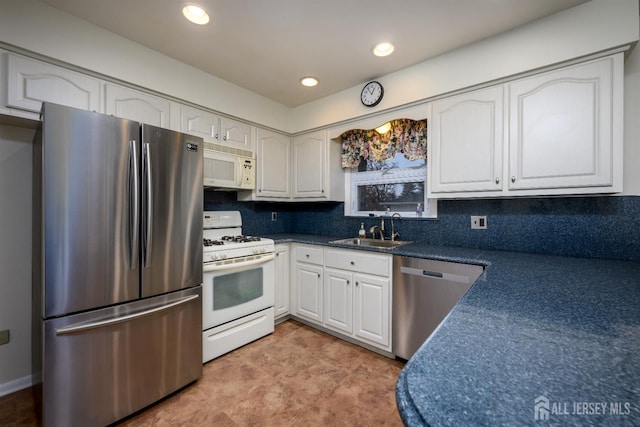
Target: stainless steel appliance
[238, 287]
[228, 167]
[424, 292]
[117, 265]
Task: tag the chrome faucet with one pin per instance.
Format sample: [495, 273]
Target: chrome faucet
[393, 229]
[373, 229]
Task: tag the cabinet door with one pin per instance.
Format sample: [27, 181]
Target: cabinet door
[561, 131]
[236, 134]
[309, 291]
[465, 152]
[200, 123]
[30, 82]
[338, 300]
[139, 106]
[282, 281]
[309, 165]
[274, 164]
[372, 310]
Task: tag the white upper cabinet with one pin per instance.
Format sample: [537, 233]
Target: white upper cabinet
[236, 134]
[30, 82]
[306, 167]
[309, 164]
[273, 165]
[317, 173]
[562, 135]
[217, 129]
[199, 123]
[465, 152]
[139, 106]
[561, 127]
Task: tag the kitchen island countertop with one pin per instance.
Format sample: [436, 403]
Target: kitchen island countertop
[560, 331]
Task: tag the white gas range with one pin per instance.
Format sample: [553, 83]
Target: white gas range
[238, 284]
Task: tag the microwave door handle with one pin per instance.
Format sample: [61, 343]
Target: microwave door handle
[148, 206]
[234, 265]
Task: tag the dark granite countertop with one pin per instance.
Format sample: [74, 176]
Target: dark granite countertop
[532, 327]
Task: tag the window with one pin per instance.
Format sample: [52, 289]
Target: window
[381, 187]
[386, 170]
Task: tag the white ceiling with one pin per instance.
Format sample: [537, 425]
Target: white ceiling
[266, 46]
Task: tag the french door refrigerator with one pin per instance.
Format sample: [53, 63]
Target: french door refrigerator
[117, 265]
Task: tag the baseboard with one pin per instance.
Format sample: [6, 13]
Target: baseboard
[15, 385]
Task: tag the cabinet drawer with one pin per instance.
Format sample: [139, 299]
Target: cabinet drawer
[310, 254]
[358, 261]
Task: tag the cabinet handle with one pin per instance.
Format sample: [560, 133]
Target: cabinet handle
[318, 274]
[497, 180]
[216, 136]
[348, 282]
[353, 263]
[513, 179]
[224, 138]
[307, 255]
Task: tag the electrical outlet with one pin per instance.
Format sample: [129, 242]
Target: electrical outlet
[274, 216]
[4, 336]
[478, 222]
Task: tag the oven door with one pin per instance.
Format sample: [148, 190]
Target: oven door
[234, 290]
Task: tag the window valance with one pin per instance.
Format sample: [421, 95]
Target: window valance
[404, 135]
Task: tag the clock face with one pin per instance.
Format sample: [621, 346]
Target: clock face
[371, 94]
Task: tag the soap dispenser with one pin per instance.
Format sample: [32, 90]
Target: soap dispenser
[362, 232]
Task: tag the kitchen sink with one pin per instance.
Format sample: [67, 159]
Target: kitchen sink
[370, 243]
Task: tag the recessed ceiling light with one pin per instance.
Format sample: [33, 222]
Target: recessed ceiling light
[195, 14]
[383, 49]
[309, 81]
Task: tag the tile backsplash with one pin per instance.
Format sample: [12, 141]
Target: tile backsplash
[593, 227]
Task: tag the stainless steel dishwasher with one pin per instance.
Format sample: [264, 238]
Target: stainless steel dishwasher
[424, 292]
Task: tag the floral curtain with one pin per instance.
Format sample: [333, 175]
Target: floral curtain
[406, 136]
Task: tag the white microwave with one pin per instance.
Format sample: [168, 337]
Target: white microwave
[228, 167]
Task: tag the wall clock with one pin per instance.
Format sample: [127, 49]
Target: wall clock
[371, 94]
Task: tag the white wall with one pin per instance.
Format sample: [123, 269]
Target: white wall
[15, 256]
[591, 27]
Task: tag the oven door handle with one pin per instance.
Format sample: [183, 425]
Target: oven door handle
[261, 260]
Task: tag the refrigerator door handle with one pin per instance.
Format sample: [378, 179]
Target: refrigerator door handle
[148, 206]
[134, 205]
[102, 323]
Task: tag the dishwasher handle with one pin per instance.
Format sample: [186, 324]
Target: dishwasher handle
[459, 278]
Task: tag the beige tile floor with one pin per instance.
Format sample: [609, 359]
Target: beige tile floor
[296, 376]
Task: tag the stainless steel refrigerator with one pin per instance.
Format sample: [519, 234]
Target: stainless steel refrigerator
[117, 265]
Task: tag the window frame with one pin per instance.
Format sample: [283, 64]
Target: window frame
[353, 179]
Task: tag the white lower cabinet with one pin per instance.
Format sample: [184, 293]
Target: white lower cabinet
[307, 286]
[358, 295]
[282, 280]
[345, 291]
[372, 310]
[338, 300]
